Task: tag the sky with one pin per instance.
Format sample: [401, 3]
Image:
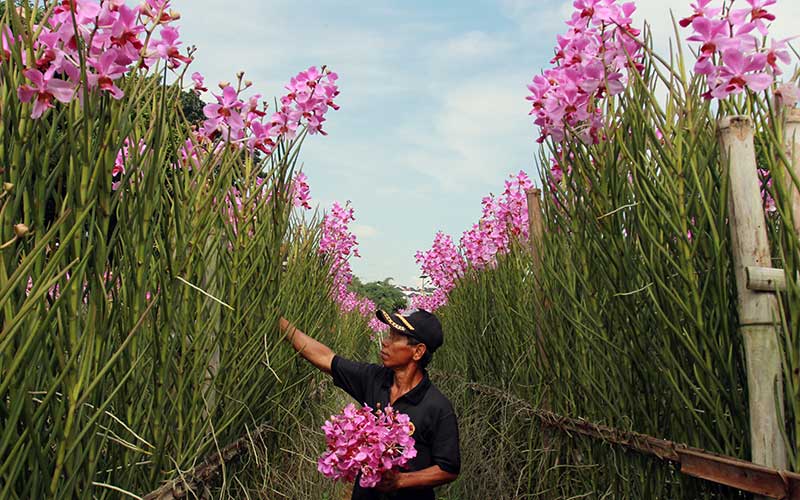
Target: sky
[433, 113]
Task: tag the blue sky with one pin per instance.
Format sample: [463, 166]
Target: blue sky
[433, 114]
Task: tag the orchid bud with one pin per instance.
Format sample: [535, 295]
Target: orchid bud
[20, 230]
[175, 15]
[8, 187]
[248, 83]
[239, 75]
[224, 84]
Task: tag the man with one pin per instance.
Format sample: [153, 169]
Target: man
[402, 382]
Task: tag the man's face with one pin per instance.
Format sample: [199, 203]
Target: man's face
[398, 349]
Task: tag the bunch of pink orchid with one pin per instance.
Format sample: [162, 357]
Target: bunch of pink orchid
[108, 35]
[504, 218]
[444, 264]
[301, 192]
[338, 244]
[591, 60]
[242, 122]
[730, 53]
[360, 440]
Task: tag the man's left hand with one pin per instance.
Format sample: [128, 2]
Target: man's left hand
[389, 482]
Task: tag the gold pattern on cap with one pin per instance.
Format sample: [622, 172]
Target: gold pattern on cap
[391, 322]
[405, 322]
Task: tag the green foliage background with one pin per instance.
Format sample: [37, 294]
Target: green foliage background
[385, 295]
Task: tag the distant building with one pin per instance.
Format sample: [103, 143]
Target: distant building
[410, 291]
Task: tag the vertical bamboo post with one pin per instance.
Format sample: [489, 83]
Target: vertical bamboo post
[535, 233]
[791, 138]
[757, 310]
[791, 141]
[535, 224]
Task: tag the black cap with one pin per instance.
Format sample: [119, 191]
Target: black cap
[416, 323]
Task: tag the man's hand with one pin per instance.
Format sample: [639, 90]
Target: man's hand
[390, 481]
[432, 476]
[316, 352]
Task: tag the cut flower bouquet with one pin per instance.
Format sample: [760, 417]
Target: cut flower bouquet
[366, 441]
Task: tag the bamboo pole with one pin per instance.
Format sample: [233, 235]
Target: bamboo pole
[791, 137]
[757, 311]
[535, 233]
[766, 279]
[535, 224]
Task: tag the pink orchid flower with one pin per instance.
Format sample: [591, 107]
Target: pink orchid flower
[740, 71]
[713, 34]
[757, 14]
[701, 9]
[45, 88]
[199, 87]
[167, 48]
[106, 71]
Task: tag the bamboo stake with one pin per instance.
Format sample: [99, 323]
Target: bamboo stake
[535, 233]
[766, 279]
[757, 311]
[791, 137]
[535, 224]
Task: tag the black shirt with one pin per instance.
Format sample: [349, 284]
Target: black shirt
[435, 424]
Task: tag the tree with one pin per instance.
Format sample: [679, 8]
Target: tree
[192, 107]
[385, 295]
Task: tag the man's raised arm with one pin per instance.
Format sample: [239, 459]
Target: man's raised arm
[317, 353]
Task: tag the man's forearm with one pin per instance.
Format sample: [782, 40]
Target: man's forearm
[317, 353]
[429, 477]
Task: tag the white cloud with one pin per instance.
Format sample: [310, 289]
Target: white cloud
[478, 132]
[538, 20]
[471, 47]
[363, 231]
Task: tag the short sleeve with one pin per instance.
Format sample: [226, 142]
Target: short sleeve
[445, 451]
[353, 376]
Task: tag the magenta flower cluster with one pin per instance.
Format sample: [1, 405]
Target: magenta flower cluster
[443, 264]
[592, 60]
[242, 122]
[117, 38]
[504, 219]
[730, 54]
[360, 440]
[338, 244]
[301, 192]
